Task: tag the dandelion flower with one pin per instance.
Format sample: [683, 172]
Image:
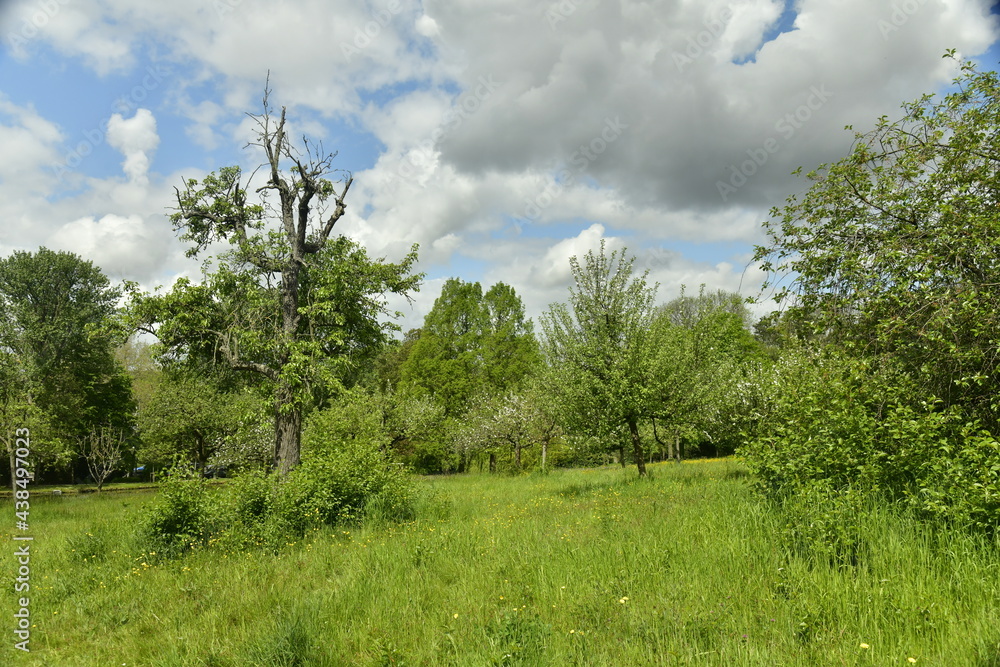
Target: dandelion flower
[456, 615]
[865, 646]
[911, 660]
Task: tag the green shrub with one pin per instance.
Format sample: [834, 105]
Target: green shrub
[181, 517]
[834, 424]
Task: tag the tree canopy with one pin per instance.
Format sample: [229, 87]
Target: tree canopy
[893, 250]
[58, 332]
[598, 346]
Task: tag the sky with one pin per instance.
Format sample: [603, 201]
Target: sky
[502, 136]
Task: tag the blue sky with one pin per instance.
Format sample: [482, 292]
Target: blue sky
[503, 136]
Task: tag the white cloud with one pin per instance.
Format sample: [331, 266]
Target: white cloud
[123, 246]
[136, 139]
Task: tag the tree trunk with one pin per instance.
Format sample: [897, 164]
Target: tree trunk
[493, 463]
[287, 430]
[13, 467]
[677, 445]
[287, 415]
[545, 449]
[517, 456]
[621, 455]
[640, 459]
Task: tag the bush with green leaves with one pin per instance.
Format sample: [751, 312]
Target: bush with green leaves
[847, 423]
[346, 471]
[182, 516]
[345, 476]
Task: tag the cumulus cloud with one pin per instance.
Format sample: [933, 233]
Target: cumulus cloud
[123, 246]
[136, 139]
[484, 124]
[692, 120]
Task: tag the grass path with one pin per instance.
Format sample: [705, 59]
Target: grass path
[580, 567]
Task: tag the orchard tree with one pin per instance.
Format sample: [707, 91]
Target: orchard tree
[289, 302]
[704, 351]
[103, 450]
[894, 252]
[598, 346]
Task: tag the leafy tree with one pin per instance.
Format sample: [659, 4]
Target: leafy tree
[58, 330]
[511, 423]
[289, 302]
[704, 351]
[445, 361]
[893, 250]
[598, 347]
[470, 344]
[472, 347]
[386, 369]
[509, 349]
[190, 417]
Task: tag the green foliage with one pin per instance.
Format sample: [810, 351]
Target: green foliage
[190, 416]
[58, 330]
[471, 344]
[894, 254]
[704, 353]
[894, 249]
[598, 347]
[346, 470]
[181, 517]
[842, 423]
[345, 478]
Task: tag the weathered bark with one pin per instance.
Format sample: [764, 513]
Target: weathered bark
[640, 460]
[287, 431]
[545, 450]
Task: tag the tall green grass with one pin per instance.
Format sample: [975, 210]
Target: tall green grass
[580, 567]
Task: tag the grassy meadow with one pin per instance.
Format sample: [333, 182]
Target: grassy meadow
[577, 567]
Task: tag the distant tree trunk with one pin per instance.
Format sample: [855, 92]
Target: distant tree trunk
[545, 450]
[493, 463]
[13, 466]
[677, 445]
[517, 455]
[640, 459]
[621, 454]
